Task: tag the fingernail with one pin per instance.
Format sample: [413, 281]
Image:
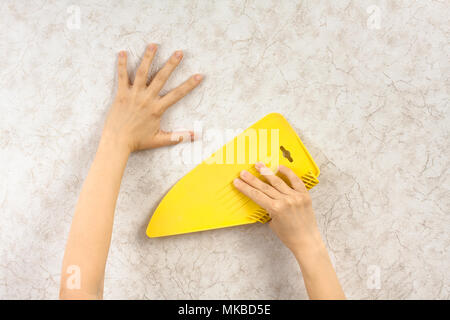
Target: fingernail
[178, 54]
[266, 171]
[236, 181]
[198, 77]
[259, 165]
[151, 47]
[197, 135]
[122, 53]
[244, 173]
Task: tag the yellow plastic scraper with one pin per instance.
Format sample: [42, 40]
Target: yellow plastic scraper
[206, 198]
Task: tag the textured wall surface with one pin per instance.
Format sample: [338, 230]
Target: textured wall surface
[364, 83]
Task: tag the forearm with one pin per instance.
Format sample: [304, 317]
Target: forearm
[90, 233]
[320, 279]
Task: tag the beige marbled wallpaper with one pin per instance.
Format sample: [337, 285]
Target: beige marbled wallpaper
[365, 84]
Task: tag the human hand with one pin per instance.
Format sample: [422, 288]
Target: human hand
[134, 119]
[290, 207]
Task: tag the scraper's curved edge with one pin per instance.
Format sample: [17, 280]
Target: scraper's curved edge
[151, 234]
[150, 231]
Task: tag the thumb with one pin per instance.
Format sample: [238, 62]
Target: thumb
[164, 138]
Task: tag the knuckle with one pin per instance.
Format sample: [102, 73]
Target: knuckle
[253, 193]
[285, 203]
[167, 71]
[179, 94]
[277, 206]
[276, 183]
[264, 187]
[186, 89]
[158, 81]
[307, 200]
[303, 200]
[290, 174]
[290, 202]
[140, 72]
[148, 54]
[157, 111]
[162, 75]
[170, 65]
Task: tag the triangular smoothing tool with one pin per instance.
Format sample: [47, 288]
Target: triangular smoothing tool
[206, 198]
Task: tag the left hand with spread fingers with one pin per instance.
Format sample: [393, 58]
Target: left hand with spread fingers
[133, 123]
[134, 118]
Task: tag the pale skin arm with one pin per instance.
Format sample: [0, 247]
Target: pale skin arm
[133, 123]
[294, 222]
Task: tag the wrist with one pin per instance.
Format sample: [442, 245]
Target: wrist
[113, 145]
[310, 248]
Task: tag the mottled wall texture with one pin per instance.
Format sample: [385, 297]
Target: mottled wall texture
[364, 83]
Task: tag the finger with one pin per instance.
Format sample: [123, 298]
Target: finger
[295, 181]
[161, 77]
[142, 72]
[258, 184]
[179, 92]
[257, 196]
[164, 138]
[122, 73]
[275, 181]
